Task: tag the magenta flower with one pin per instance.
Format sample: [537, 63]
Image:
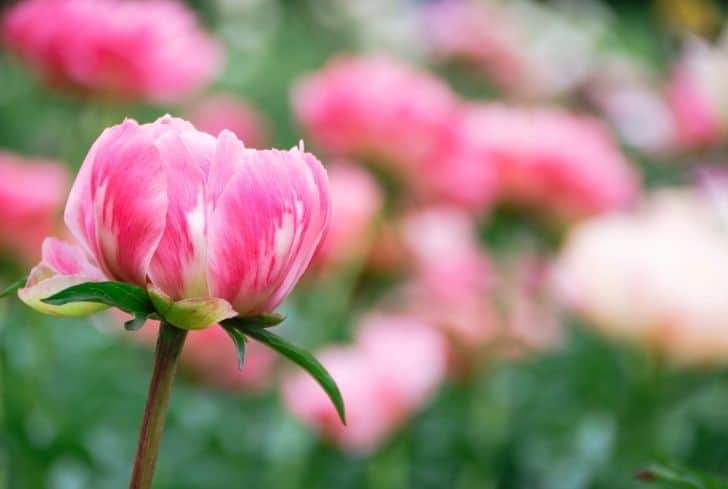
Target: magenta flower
[152, 50]
[211, 229]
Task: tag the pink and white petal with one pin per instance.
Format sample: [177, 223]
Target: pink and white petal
[128, 187]
[228, 160]
[265, 228]
[178, 266]
[79, 213]
[202, 148]
[69, 259]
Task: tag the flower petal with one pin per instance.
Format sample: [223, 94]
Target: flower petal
[178, 266]
[265, 228]
[118, 204]
[63, 266]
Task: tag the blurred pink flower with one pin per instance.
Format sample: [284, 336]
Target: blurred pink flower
[391, 371]
[375, 107]
[355, 204]
[476, 32]
[213, 114]
[212, 229]
[656, 277]
[452, 281]
[696, 95]
[151, 50]
[551, 160]
[32, 193]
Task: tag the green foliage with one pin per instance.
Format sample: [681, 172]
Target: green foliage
[13, 287]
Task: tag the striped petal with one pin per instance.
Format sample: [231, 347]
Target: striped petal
[118, 203]
[63, 266]
[265, 227]
[178, 266]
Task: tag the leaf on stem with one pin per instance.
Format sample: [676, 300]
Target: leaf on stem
[12, 288]
[673, 478]
[126, 297]
[300, 357]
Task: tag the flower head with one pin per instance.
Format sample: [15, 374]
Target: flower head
[200, 222]
[152, 50]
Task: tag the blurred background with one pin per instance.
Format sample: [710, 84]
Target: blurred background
[525, 284]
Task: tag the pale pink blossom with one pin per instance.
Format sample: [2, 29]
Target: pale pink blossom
[32, 192]
[356, 201]
[518, 45]
[656, 278]
[696, 94]
[392, 369]
[219, 112]
[203, 223]
[551, 160]
[152, 50]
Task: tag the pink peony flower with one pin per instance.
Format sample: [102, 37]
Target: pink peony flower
[213, 114]
[383, 380]
[204, 224]
[551, 159]
[355, 204]
[151, 50]
[374, 107]
[656, 278]
[31, 196]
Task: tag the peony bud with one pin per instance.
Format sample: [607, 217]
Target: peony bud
[212, 229]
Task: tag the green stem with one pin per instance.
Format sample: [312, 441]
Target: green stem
[169, 346]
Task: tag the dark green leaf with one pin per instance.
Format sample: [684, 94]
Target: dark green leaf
[18, 284]
[672, 478]
[266, 320]
[239, 339]
[126, 297]
[304, 360]
[135, 323]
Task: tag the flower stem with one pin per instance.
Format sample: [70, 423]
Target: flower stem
[169, 346]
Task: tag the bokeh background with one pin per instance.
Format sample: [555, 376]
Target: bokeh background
[526, 280]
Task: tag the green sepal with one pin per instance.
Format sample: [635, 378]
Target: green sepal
[135, 323]
[239, 339]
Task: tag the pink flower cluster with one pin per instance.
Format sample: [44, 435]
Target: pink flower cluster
[446, 150]
[152, 50]
[31, 196]
[217, 113]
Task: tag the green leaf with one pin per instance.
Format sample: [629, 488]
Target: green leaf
[265, 320]
[12, 288]
[239, 339]
[674, 478]
[300, 357]
[126, 297]
[135, 323]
